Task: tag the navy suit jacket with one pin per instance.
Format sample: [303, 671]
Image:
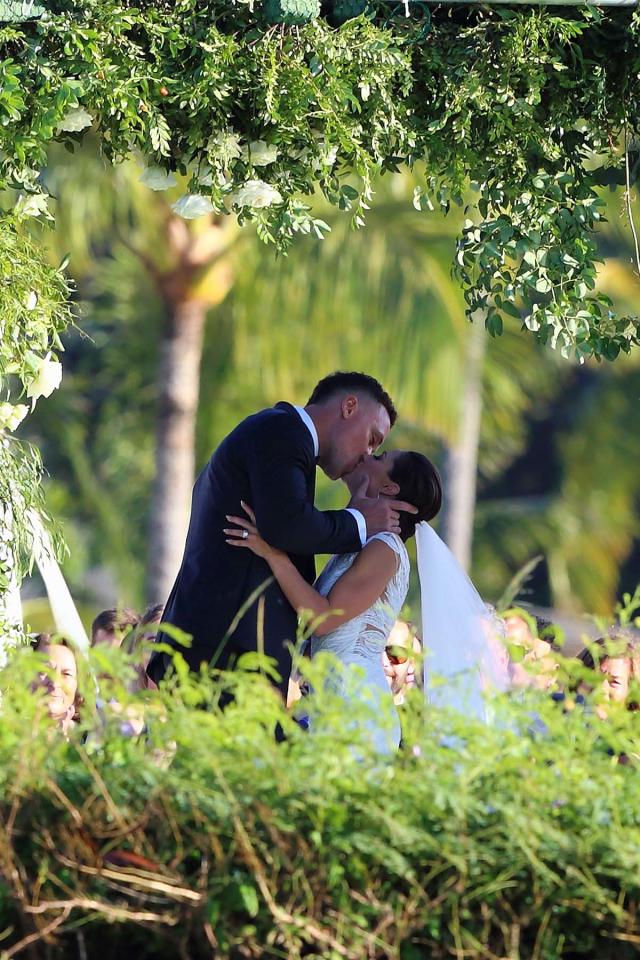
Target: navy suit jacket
[269, 462]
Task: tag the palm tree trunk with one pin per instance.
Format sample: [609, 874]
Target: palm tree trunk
[462, 456]
[198, 280]
[178, 390]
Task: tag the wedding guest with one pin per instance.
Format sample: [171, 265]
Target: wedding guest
[617, 658]
[151, 620]
[111, 626]
[138, 642]
[399, 658]
[538, 664]
[134, 635]
[60, 680]
[135, 718]
[118, 628]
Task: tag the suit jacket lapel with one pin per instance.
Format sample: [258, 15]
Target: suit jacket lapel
[311, 482]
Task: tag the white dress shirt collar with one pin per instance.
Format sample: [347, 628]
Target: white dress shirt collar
[311, 427]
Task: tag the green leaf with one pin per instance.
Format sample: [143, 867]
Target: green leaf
[160, 135]
[493, 323]
[509, 307]
[249, 898]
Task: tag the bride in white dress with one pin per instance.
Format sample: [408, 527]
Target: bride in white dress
[358, 596]
[358, 643]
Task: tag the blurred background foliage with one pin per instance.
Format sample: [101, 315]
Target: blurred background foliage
[551, 465]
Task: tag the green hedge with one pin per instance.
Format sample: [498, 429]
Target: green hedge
[208, 838]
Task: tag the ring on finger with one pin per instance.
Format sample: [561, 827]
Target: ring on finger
[245, 534]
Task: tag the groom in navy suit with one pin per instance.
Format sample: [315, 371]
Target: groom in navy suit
[269, 461]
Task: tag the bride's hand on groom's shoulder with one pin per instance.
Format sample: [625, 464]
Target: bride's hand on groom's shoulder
[245, 534]
[381, 514]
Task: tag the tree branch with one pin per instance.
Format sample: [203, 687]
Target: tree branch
[40, 934]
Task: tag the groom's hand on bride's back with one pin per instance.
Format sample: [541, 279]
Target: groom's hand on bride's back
[381, 514]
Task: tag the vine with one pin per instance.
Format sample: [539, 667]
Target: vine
[528, 108]
[520, 113]
[34, 310]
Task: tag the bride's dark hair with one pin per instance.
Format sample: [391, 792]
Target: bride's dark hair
[420, 485]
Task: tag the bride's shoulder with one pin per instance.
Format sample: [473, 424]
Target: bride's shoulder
[392, 540]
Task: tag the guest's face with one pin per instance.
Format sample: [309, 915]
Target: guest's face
[376, 469]
[617, 674]
[107, 638]
[398, 659]
[362, 427]
[143, 655]
[518, 631]
[60, 680]
[537, 652]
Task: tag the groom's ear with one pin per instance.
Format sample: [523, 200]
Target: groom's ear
[348, 406]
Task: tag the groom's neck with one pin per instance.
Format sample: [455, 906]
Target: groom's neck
[322, 418]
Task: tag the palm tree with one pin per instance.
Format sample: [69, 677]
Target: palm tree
[190, 270]
[461, 464]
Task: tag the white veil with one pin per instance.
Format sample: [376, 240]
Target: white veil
[459, 632]
[65, 615]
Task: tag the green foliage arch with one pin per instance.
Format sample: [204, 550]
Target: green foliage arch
[533, 110]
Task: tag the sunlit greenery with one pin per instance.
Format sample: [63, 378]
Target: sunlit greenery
[206, 835]
[530, 109]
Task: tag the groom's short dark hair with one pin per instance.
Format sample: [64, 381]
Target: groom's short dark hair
[341, 381]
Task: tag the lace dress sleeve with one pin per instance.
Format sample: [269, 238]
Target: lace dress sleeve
[392, 540]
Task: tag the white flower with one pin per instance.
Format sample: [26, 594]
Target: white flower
[365, 90]
[77, 118]
[205, 177]
[157, 178]
[12, 415]
[328, 156]
[256, 193]
[225, 145]
[209, 177]
[327, 153]
[32, 300]
[260, 153]
[32, 205]
[192, 205]
[48, 376]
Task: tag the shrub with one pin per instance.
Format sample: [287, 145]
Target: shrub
[207, 837]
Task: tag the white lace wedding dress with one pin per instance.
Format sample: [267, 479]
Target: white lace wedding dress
[359, 643]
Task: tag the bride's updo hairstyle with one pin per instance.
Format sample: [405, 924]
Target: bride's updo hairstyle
[420, 485]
